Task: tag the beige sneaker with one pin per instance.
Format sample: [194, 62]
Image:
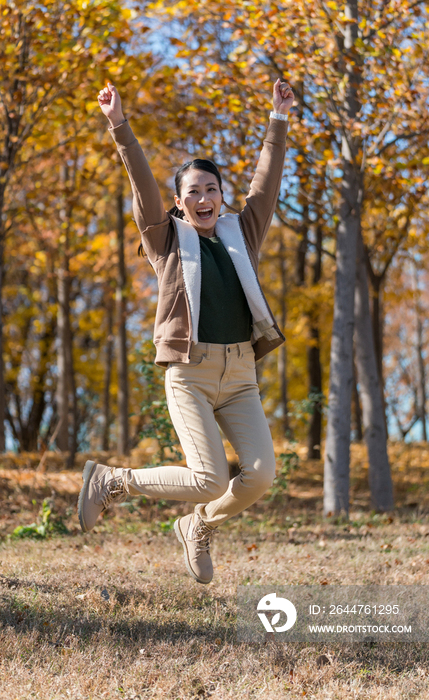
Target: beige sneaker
[102, 486]
[195, 536]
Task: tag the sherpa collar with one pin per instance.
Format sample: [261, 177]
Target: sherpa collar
[229, 231]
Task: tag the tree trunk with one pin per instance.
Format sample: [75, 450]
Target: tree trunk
[301, 253]
[107, 377]
[2, 377]
[313, 351]
[121, 306]
[314, 438]
[378, 332]
[372, 404]
[315, 375]
[63, 340]
[377, 324]
[357, 410]
[421, 386]
[66, 391]
[337, 453]
[71, 383]
[30, 441]
[302, 174]
[422, 379]
[14, 99]
[282, 356]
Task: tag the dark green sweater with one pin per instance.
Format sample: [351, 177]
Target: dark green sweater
[225, 316]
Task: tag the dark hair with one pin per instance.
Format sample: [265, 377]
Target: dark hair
[197, 164]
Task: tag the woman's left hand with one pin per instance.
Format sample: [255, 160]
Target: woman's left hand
[283, 97]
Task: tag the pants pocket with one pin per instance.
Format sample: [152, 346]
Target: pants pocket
[194, 362]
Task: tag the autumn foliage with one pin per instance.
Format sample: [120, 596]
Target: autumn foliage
[195, 79]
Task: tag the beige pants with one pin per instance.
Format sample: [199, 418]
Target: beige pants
[218, 387]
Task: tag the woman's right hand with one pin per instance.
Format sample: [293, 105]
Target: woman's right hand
[110, 104]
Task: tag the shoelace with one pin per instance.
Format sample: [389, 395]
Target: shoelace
[115, 489]
[201, 536]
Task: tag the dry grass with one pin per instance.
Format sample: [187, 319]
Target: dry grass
[113, 613]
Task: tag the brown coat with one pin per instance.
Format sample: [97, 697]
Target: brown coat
[173, 331]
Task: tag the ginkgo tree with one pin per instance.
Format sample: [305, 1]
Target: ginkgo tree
[54, 57]
[197, 82]
[360, 71]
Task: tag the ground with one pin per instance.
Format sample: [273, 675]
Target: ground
[114, 614]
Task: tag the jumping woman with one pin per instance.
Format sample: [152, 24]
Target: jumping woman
[212, 323]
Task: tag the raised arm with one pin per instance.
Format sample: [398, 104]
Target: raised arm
[148, 207]
[265, 187]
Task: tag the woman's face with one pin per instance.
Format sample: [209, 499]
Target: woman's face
[200, 199]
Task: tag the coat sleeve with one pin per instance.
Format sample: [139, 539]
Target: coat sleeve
[149, 212]
[261, 201]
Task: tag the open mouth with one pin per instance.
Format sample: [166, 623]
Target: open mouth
[205, 213]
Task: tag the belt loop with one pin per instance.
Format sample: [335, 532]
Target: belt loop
[240, 350]
[208, 346]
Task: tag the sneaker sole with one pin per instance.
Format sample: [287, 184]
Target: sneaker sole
[181, 539]
[88, 471]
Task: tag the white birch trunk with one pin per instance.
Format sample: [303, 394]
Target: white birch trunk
[337, 451]
[337, 448]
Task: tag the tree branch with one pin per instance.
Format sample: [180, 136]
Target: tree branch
[374, 31]
[409, 135]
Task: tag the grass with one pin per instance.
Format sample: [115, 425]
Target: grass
[113, 613]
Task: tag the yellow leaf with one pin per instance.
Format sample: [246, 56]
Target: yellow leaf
[41, 256]
[91, 106]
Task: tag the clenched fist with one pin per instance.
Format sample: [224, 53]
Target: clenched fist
[110, 103]
[283, 97]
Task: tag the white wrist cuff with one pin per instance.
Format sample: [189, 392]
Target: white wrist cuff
[277, 115]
